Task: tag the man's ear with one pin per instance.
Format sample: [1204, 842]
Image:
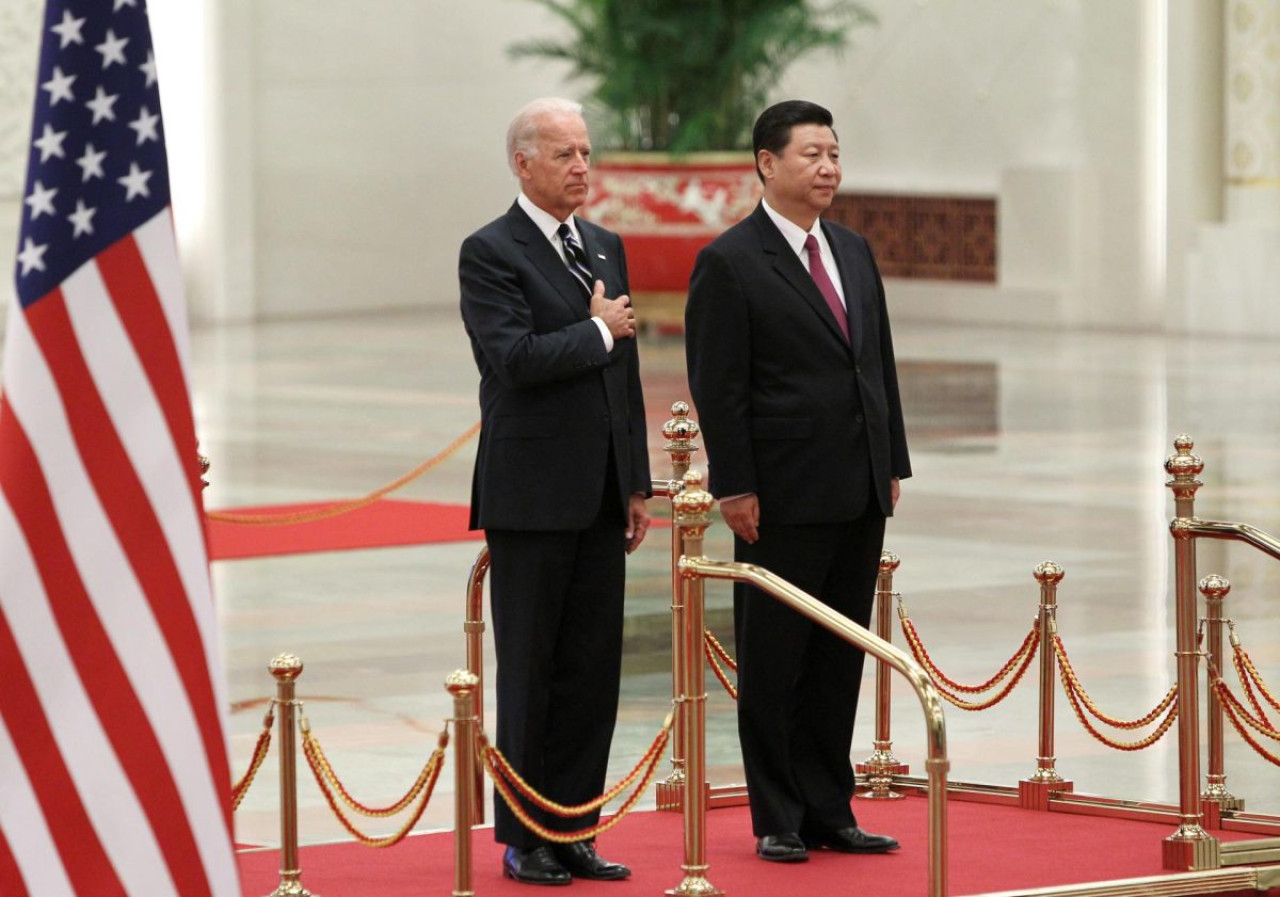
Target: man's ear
[522, 165]
[765, 160]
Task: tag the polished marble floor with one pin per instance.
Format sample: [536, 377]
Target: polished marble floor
[1027, 446]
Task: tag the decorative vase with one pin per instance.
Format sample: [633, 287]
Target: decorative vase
[666, 208]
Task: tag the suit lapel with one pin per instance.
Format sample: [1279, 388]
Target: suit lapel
[538, 249]
[788, 264]
[852, 293]
[597, 261]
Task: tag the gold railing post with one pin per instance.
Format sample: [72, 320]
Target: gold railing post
[464, 686]
[880, 768]
[692, 508]
[473, 627]
[680, 432]
[1216, 798]
[1035, 791]
[936, 763]
[286, 668]
[1190, 848]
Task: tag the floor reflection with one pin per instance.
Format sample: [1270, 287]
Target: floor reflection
[1026, 446]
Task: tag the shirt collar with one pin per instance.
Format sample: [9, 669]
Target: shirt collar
[792, 232]
[545, 221]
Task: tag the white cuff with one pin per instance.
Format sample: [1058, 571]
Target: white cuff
[604, 332]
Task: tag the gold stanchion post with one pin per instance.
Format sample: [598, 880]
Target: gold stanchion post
[692, 516]
[880, 768]
[286, 668]
[680, 432]
[1216, 798]
[1035, 791]
[463, 685]
[1190, 848]
[473, 627]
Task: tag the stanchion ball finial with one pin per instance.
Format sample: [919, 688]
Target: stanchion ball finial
[680, 429]
[888, 561]
[693, 500]
[1183, 465]
[1214, 587]
[1049, 572]
[285, 667]
[461, 682]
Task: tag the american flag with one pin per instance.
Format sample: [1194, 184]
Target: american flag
[113, 763]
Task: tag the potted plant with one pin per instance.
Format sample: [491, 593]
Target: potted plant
[675, 86]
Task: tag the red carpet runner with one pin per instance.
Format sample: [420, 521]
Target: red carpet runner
[384, 523]
[992, 849]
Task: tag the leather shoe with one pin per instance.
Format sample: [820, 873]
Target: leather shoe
[852, 840]
[784, 848]
[582, 861]
[535, 866]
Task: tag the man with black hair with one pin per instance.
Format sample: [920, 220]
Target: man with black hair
[792, 370]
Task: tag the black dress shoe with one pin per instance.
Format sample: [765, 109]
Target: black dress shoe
[536, 866]
[582, 861]
[784, 848]
[852, 840]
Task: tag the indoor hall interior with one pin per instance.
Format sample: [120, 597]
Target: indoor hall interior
[1027, 446]
[1123, 158]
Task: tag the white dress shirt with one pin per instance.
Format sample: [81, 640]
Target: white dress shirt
[550, 227]
[795, 237]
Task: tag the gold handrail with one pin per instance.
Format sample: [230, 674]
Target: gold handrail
[473, 626]
[681, 431]
[1191, 847]
[692, 518]
[1237, 532]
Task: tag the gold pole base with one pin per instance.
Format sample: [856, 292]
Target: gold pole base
[291, 888]
[877, 773]
[1226, 801]
[1035, 794]
[891, 767]
[694, 886]
[669, 796]
[1191, 849]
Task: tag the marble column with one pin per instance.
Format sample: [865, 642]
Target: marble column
[1235, 269]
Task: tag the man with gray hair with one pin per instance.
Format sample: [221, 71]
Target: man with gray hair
[561, 475]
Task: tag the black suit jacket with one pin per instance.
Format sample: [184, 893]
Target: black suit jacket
[789, 410]
[553, 402]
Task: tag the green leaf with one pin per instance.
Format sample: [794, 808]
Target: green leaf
[687, 75]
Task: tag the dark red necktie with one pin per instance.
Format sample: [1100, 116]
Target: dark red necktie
[828, 290]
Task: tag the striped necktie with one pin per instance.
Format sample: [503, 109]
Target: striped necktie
[577, 260]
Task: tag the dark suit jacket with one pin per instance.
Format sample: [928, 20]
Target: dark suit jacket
[788, 409]
[552, 400]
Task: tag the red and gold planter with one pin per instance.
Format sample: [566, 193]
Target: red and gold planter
[667, 208]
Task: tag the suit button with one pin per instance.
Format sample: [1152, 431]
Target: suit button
[858, 418]
[857, 369]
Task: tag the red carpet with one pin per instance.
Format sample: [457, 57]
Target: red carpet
[992, 848]
[384, 523]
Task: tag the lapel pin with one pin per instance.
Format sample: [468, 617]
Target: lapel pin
[600, 255]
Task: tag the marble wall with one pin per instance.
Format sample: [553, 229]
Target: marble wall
[348, 148]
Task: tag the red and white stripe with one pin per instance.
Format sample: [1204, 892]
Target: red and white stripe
[113, 765]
